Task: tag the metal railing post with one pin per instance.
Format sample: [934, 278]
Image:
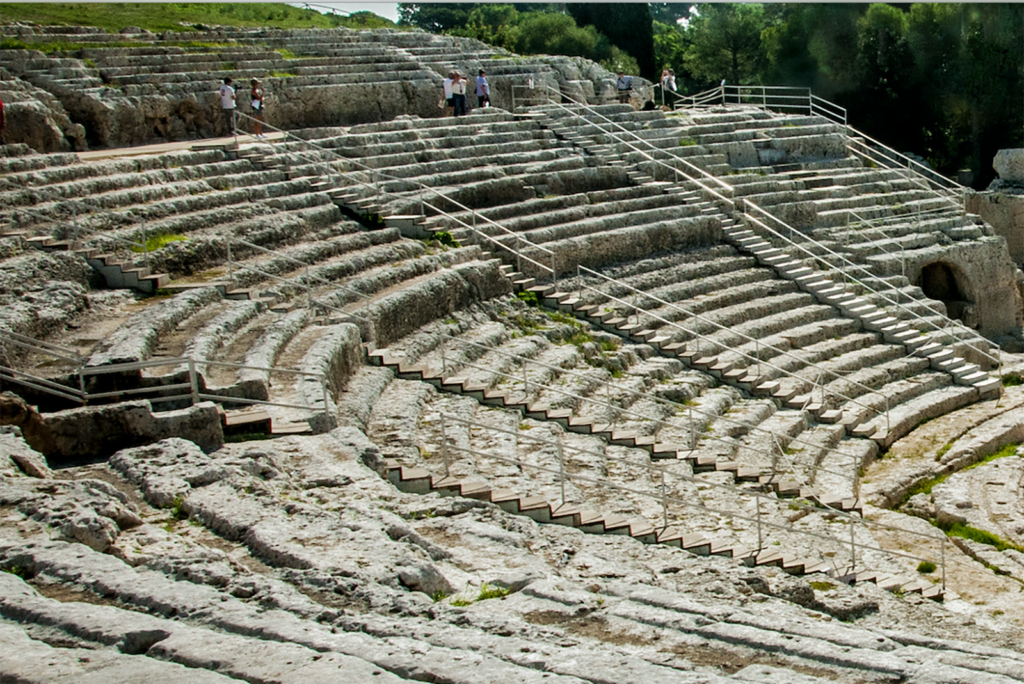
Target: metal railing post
[943, 546]
[760, 535]
[561, 469]
[193, 381]
[231, 272]
[145, 244]
[325, 389]
[444, 448]
[664, 498]
[853, 546]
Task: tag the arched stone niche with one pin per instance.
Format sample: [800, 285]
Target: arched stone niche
[949, 284]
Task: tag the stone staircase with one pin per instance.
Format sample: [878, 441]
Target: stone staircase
[421, 481]
[517, 401]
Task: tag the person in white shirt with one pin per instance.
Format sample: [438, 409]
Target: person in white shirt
[449, 101]
[459, 94]
[227, 105]
[483, 91]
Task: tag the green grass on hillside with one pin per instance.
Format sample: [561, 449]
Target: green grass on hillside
[157, 17]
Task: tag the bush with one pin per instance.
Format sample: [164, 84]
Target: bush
[926, 567]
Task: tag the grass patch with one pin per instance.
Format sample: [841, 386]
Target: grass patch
[160, 17]
[1012, 380]
[978, 535]
[926, 567]
[687, 142]
[155, 242]
[530, 298]
[609, 345]
[943, 450]
[926, 486]
[444, 238]
[282, 74]
[822, 586]
[486, 592]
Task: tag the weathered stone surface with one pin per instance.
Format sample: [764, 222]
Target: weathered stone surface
[21, 459]
[93, 431]
[1009, 164]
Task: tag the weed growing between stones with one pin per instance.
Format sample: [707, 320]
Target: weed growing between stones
[977, 535]
[155, 242]
[445, 238]
[1012, 380]
[529, 298]
[926, 567]
[282, 74]
[942, 451]
[822, 586]
[486, 592]
[687, 142]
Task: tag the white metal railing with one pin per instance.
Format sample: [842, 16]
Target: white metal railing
[75, 229]
[755, 358]
[949, 325]
[375, 187]
[305, 285]
[690, 426]
[190, 390]
[777, 98]
[660, 493]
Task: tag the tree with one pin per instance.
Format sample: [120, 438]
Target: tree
[496, 25]
[726, 43]
[434, 17]
[627, 25]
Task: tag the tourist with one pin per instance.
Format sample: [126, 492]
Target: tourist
[459, 94]
[449, 101]
[624, 86]
[668, 86]
[257, 108]
[483, 91]
[227, 104]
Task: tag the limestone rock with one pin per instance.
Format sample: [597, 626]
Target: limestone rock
[1009, 164]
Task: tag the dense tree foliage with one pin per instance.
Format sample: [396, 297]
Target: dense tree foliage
[627, 25]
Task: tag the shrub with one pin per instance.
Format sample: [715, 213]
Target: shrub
[926, 567]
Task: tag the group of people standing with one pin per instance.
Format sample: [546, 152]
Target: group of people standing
[455, 92]
[227, 105]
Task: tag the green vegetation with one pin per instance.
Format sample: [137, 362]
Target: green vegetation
[445, 238]
[176, 509]
[687, 142]
[980, 536]
[1012, 380]
[16, 570]
[539, 32]
[438, 596]
[282, 74]
[926, 567]
[926, 486]
[822, 586]
[155, 242]
[159, 17]
[943, 450]
[486, 592]
[530, 298]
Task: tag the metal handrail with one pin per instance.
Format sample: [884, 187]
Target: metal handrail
[614, 124]
[311, 302]
[644, 395]
[82, 371]
[758, 344]
[377, 175]
[77, 229]
[973, 335]
[997, 359]
[664, 497]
